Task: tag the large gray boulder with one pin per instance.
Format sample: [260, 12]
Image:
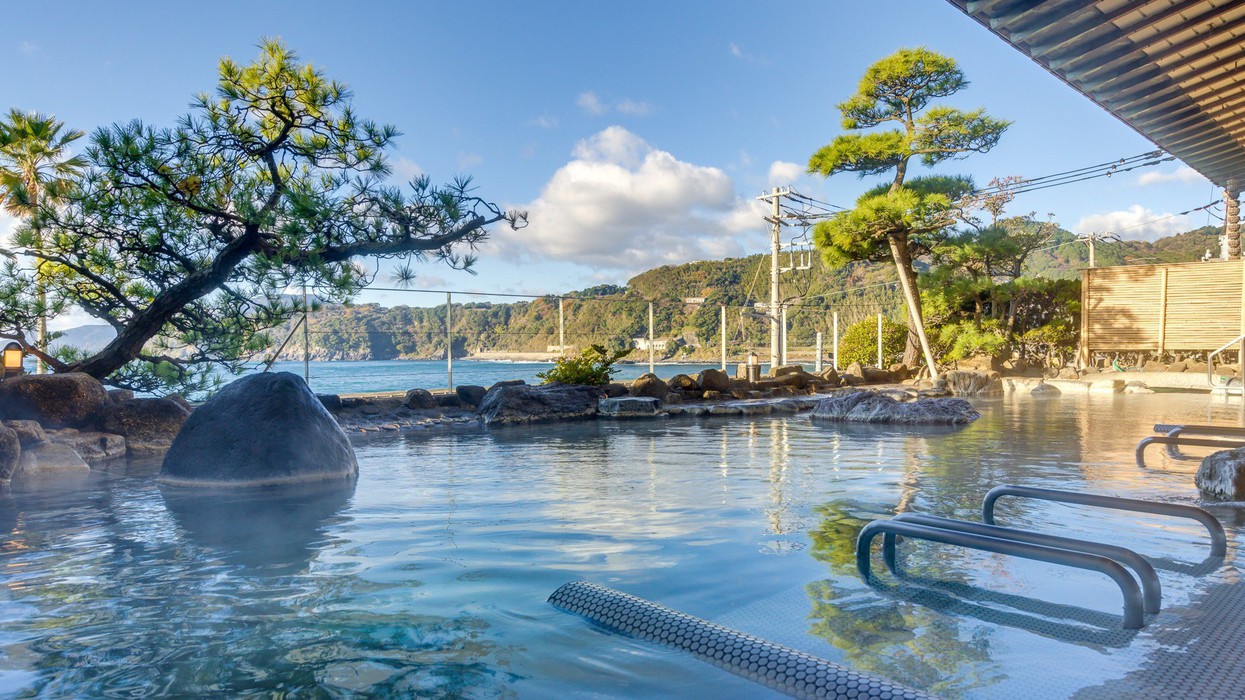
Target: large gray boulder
[960, 382]
[92, 446]
[29, 433]
[260, 430]
[148, 425]
[870, 407]
[68, 400]
[10, 453]
[1222, 475]
[523, 403]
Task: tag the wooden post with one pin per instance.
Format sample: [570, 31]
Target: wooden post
[879, 341]
[836, 341]
[1162, 313]
[722, 323]
[1082, 351]
[817, 364]
[652, 358]
[784, 337]
[306, 341]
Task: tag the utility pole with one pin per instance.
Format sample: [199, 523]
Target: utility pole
[775, 241]
[722, 323]
[652, 353]
[306, 341]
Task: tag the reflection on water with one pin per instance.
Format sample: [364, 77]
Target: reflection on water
[430, 576]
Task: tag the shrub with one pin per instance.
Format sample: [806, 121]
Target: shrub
[860, 342]
[594, 365]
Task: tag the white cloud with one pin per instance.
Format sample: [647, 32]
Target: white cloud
[782, 172]
[405, 169]
[590, 103]
[736, 51]
[632, 107]
[28, 47]
[466, 161]
[1136, 223]
[544, 122]
[1182, 174]
[621, 204]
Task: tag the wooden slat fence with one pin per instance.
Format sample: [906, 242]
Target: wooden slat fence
[1180, 307]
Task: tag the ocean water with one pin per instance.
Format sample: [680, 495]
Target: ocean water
[399, 375]
[429, 576]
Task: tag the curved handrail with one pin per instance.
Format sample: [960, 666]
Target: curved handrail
[1170, 440]
[1179, 429]
[1151, 587]
[1218, 538]
[1134, 618]
[1210, 362]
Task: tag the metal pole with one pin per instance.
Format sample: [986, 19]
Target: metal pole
[784, 337]
[722, 323]
[561, 327]
[652, 359]
[306, 342]
[879, 341]
[449, 340]
[836, 341]
[1092, 260]
[817, 365]
[774, 273]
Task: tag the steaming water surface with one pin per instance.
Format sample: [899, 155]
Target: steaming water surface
[429, 576]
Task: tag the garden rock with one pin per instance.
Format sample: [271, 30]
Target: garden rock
[29, 433]
[332, 402]
[651, 385]
[505, 405]
[714, 380]
[470, 394]
[871, 407]
[873, 375]
[712, 395]
[672, 397]
[1044, 389]
[786, 369]
[969, 383]
[260, 430]
[1222, 475]
[683, 382]
[419, 399]
[448, 401]
[51, 458]
[856, 370]
[68, 400]
[148, 425]
[629, 407]
[899, 371]
[10, 454]
[615, 389]
[120, 395]
[91, 446]
[1136, 387]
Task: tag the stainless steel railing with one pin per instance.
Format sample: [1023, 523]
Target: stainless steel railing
[1218, 538]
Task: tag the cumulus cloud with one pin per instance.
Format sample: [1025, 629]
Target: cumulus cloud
[783, 173]
[621, 204]
[1136, 223]
[590, 103]
[1182, 174]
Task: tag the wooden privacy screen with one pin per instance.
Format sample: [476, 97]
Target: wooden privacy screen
[1180, 307]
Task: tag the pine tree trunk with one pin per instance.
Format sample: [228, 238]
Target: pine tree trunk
[903, 265]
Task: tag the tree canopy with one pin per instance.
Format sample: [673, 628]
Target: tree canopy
[892, 119]
[186, 239]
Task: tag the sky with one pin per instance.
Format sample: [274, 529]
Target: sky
[635, 134]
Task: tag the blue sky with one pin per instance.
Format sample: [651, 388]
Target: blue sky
[636, 133]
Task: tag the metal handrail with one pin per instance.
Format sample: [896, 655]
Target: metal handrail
[1218, 538]
[1151, 588]
[1134, 617]
[1172, 441]
[1178, 430]
[1210, 362]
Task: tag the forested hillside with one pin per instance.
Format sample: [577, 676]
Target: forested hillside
[686, 305]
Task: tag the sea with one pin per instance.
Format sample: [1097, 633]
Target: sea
[364, 376]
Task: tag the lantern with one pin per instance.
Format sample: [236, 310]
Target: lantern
[12, 360]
